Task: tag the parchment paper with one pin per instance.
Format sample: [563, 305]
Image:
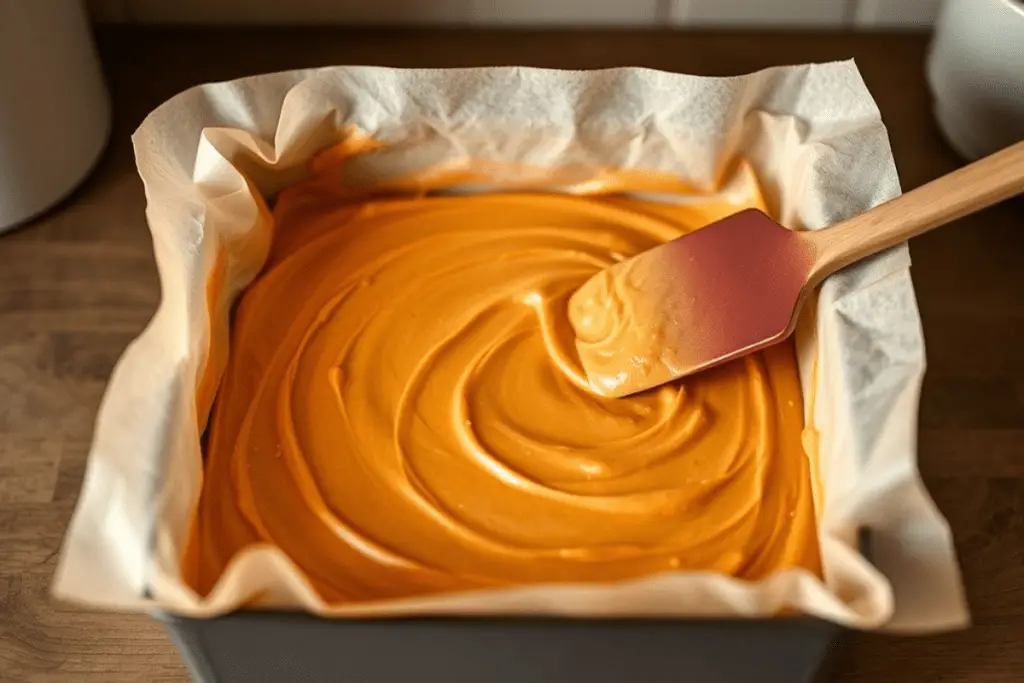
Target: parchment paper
[812, 133]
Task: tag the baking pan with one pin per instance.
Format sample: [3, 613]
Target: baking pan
[269, 647]
[294, 647]
[258, 646]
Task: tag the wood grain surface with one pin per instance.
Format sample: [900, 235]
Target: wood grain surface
[79, 283]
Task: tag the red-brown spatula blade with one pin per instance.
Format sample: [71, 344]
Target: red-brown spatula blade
[700, 300]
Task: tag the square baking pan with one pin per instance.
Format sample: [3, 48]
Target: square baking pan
[294, 647]
[269, 647]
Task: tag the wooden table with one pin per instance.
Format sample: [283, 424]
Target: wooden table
[79, 283]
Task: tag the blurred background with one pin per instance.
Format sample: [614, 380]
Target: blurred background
[868, 14]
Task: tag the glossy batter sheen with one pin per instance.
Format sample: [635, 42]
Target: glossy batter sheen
[403, 411]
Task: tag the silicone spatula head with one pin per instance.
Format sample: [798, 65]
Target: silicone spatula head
[727, 289]
[736, 286]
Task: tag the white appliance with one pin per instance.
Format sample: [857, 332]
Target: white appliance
[54, 108]
[976, 73]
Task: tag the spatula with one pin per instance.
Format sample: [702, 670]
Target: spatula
[736, 285]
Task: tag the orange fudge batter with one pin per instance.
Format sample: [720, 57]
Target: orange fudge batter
[403, 410]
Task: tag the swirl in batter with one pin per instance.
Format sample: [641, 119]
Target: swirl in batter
[403, 411]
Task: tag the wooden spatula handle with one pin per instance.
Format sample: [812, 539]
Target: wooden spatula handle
[964, 191]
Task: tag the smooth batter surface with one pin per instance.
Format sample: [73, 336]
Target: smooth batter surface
[403, 410]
